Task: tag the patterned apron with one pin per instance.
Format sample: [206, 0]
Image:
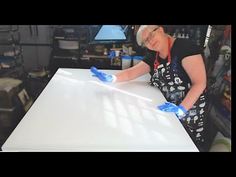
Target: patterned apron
[169, 80]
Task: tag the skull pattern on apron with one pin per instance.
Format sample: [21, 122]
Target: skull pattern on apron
[174, 87]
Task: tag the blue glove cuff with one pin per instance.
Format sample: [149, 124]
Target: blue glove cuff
[114, 78]
[182, 108]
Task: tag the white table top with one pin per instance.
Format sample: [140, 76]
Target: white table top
[77, 112]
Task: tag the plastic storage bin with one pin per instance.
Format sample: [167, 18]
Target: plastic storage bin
[126, 61]
[137, 59]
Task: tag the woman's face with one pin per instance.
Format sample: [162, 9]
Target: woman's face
[153, 39]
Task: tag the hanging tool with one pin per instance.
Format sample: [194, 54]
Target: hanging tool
[37, 31]
[30, 28]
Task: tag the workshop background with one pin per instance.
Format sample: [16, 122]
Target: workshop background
[31, 54]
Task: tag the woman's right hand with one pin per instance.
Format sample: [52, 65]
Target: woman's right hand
[103, 76]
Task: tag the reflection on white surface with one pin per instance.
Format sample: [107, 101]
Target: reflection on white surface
[119, 105]
[107, 104]
[122, 91]
[147, 114]
[142, 132]
[62, 71]
[125, 126]
[110, 119]
[159, 136]
[162, 119]
[133, 113]
[67, 79]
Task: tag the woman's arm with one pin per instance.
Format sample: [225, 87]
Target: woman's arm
[131, 73]
[195, 68]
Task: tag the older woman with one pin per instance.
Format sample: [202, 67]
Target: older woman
[177, 69]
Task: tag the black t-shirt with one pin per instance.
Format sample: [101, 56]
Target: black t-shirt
[181, 48]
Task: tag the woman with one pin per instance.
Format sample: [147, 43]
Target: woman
[177, 69]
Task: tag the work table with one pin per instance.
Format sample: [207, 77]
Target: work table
[77, 112]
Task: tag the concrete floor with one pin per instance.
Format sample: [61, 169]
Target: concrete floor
[7, 125]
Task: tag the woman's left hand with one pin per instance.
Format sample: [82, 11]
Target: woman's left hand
[180, 111]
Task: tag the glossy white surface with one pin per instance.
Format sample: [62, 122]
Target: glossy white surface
[77, 112]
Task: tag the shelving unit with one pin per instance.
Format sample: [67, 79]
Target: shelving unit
[11, 58]
[196, 33]
[72, 48]
[14, 99]
[66, 48]
[219, 87]
[220, 112]
[220, 106]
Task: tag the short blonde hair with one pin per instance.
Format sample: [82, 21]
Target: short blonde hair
[140, 32]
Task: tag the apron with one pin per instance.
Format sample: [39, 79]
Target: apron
[169, 80]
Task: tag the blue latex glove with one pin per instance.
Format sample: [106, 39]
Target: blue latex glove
[102, 76]
[180, 111]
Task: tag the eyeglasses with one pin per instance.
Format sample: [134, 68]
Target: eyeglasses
[149, 38]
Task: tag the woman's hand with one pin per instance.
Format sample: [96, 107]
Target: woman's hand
[103, 76]
[180, 111]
